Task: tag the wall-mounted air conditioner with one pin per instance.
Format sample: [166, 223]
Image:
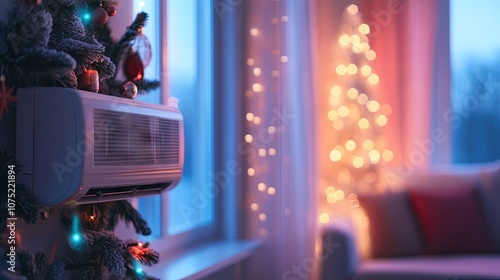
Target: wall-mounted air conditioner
[78, 146]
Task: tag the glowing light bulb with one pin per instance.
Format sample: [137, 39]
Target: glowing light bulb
[362, 99]
[358, 162]
[138, 270]
[250, 116]
[368, 145]
[382, 120]
[350, 145]
[335, 155]
[366, 70]
[86, 16]
[352, 93]
[374, 156]
[257, 71]
[271, 191]
[364, 28]
[333, 115]
[371, 55]
[363, 123]
[140, 244]
[352, 9]
[343, 111]
[373, 79]
[387, 155]
[351, 69]
[341, 69]
[76, 237]
[324, 218]
[248, 138]
[251, 172]
[373, 106]
[262, 152]
[254, 31]
[261, 187]
[272, 151]
[257, 87]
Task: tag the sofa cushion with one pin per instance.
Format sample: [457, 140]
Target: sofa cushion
[431, 267]
[451, 220]
[393, 228]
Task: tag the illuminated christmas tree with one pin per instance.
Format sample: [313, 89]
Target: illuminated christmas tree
[357, 148]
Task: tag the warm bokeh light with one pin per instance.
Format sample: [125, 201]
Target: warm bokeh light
[257, 87]
[250, 61]
[333, 115]
[355, 40]
[262, 152]
[335, 155]
[248, 138]
[352, 93]
[254, 206]
[344, 40]
[343, 111]
[363, 123]
[339, 194]
[271, 129]
[351, 69]
[387, 155]
[368, 145]
[256, 120]
[262, 217]
[324, 218]
[382, 120]
[350, 145]
[250, 116]
[336, 91]
[338, 125]
[257, 71]
[386, 110]
[251, 171]
[284, 58]
[341, 69]
[371, 55]
[352, 9]
[271, 191]
[364, 28]
[331, 198]
[261, 187]
[373, 106]
[254, 31]
[366, 70]
[329, 190]
[272, 151]
[373, 79]
[374, 156]
[362, 99]
[358, 162]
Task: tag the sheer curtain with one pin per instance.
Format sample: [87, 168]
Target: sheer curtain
[277, 140]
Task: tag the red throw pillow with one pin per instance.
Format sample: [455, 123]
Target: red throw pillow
[451, 220]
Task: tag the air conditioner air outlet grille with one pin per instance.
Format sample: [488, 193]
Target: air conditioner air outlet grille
[128, 139]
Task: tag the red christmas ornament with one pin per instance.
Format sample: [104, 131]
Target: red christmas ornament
[6, 97]
[100, 16]
[33, 2]
[134, 69]
[111, 11]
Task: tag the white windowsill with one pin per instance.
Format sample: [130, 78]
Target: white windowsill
[205, 260]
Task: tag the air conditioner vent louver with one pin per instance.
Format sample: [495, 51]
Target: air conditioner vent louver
[127, 139]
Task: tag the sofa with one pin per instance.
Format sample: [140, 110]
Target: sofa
[440, 224]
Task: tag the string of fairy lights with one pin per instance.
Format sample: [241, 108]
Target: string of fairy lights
[262, 128]
[357, 118]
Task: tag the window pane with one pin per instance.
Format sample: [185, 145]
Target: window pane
[475, 58]
[190, 80]
[150, 208]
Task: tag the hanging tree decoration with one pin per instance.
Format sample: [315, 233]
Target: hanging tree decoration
[6, 96]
